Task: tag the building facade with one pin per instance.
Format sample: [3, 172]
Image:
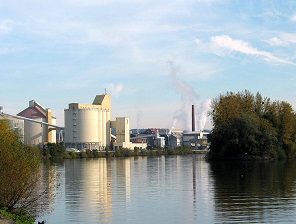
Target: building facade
[37, 133]
[88, 125]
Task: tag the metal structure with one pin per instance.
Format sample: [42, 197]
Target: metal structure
[55, 127]
[48, 126]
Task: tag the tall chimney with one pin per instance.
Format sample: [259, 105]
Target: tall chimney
[193, 119]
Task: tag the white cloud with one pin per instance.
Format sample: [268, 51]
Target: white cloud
[275, 41]
[289, 37]
[293, 18]
[226, 45]
[197, 41]
[115, 90]
[5, 26]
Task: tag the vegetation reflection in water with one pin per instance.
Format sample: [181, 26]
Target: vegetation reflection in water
[254, 191]
[171, 189]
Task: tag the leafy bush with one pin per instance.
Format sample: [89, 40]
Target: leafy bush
[55, 150]
[20, 175]
[170, 151]
[83, 155]
[20, 217]
[144, 152]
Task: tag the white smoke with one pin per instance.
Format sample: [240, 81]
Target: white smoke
[202, 114]
[188, 97]
[175, 120]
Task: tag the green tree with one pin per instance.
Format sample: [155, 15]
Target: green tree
[20, 174]
[246, 124]
[89, 153]
[56, 150]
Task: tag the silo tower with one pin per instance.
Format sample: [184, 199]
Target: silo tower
[34, 133]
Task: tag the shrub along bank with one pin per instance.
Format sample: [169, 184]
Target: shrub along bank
[58, 151]
[20, 177]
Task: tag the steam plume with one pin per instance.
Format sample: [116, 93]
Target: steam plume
[202, 114]
[188, 97]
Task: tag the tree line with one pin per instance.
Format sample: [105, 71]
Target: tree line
[250, 126]
[58, 151]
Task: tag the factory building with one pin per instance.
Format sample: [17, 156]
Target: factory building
[197, 140]
[37, 133]
[122, 126]
[88, 126]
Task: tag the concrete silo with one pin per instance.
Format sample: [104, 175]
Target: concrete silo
[88, 125]
[34, 133]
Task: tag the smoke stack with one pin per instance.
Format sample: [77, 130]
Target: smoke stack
[193, 118]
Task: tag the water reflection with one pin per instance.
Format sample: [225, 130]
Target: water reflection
[48, 185]
[254, 191]
[122, 179]
[202, 189]
[173, 189]
[88, 187]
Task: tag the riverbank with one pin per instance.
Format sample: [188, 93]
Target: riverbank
[21, 217]
[123, 152]
[6, 221]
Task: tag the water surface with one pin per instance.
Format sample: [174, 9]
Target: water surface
[172, 189]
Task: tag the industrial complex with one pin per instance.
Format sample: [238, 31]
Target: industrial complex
[89, 126]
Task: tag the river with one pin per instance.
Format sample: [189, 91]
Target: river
[171, 189]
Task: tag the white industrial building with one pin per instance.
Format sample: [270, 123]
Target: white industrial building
[88, 126]
[37, 133]
[122, 127]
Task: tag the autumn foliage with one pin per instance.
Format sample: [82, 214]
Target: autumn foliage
[19, 171]
[250, 126]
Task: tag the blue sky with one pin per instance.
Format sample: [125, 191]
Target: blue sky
[156, 58]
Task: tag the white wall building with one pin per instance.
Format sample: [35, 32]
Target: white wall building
[35, 133]
[88, 126]
[122, 125]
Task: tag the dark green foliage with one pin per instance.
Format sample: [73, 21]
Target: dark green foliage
[183, 150]
[159, 151]
[249, 126]
[74, 155]
[89, 153]
[136, 151]
[21, 216]
[54, 150]
[123, 152]
[170, 151]
[153, 152]
[66, 155]
[83, 155]
[95, 153]
[144, 152]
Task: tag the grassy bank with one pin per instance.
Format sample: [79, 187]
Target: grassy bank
[19, 217]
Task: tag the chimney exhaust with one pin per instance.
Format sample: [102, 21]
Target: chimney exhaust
[193, 118]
